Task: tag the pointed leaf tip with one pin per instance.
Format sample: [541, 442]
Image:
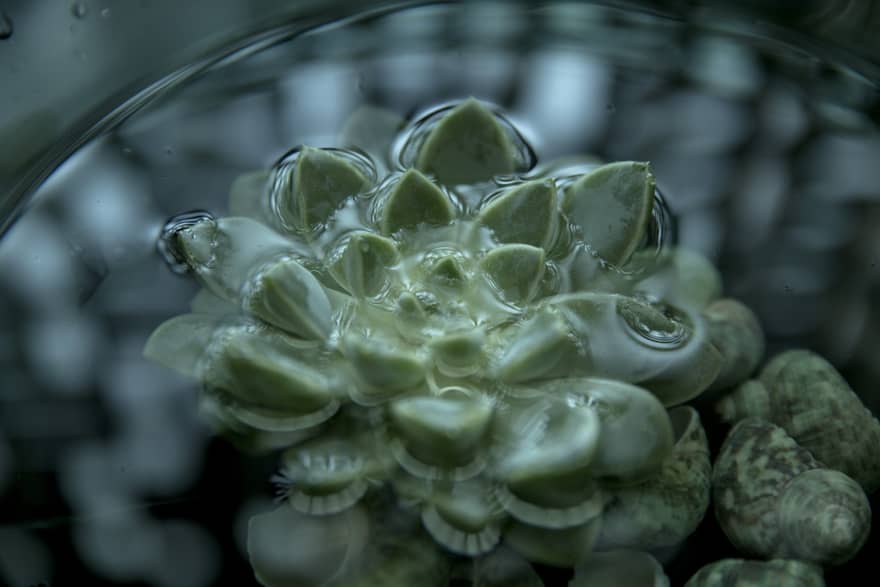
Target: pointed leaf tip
[525, 214]
[612, 206]
[516, 270]
[467, 145]
[415, 200]
[361, 263]
[321, 181]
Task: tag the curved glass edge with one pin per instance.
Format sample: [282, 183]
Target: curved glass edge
[59, 95]
[103, 67]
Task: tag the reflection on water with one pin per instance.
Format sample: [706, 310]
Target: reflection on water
[768, 169]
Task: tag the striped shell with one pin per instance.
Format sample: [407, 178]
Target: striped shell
[665, 510]
[751, 573]
[804, 394]
[773, 499]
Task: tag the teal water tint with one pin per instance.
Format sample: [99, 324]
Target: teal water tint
[766, 175]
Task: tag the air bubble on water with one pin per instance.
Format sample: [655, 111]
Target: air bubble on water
[565, 170]
[661, 229]
[168, 246]
[506, 181]
[409, 141]
[79, 9]
[282, 179]
[6, 27]
[659, 236]
[660, 327]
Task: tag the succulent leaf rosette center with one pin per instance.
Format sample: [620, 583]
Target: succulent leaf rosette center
[450, 335]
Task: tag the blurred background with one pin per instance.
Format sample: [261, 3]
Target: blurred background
[760, 119]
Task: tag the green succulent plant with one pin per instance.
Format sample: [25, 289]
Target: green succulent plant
[479, 351]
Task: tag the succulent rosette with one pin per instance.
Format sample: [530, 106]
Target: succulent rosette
[460, 353]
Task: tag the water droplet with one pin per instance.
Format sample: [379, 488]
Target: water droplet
[410, 140]
[655, 326]
[6, 28]
[105, 12]
[167, 244]
[661, 229]
[79, 9]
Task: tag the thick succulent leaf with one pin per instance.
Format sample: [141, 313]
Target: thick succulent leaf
[442, 431]
[199, 243]
[249, 195]
[179, 343]
[290, 549]
[635, 342]
[383, 365]
[678, 276]
[324, 476]
[446, 273]
[224, 253]
[459, 353]
[287, 295]
[276, 420]
[516, 270]
[636, 432]
[262, 372]
[692, 363]
[612, 207]
[361, 264]
[464, 519]
[663, 511]
[466, 146]
[563, 547]
[545, 450]
[414, 201]
[525, 214]
[539, 348]
[248, 439]
[469, 505]
[410, 317]
[545, 441]
[321, 181]
[689, 373]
